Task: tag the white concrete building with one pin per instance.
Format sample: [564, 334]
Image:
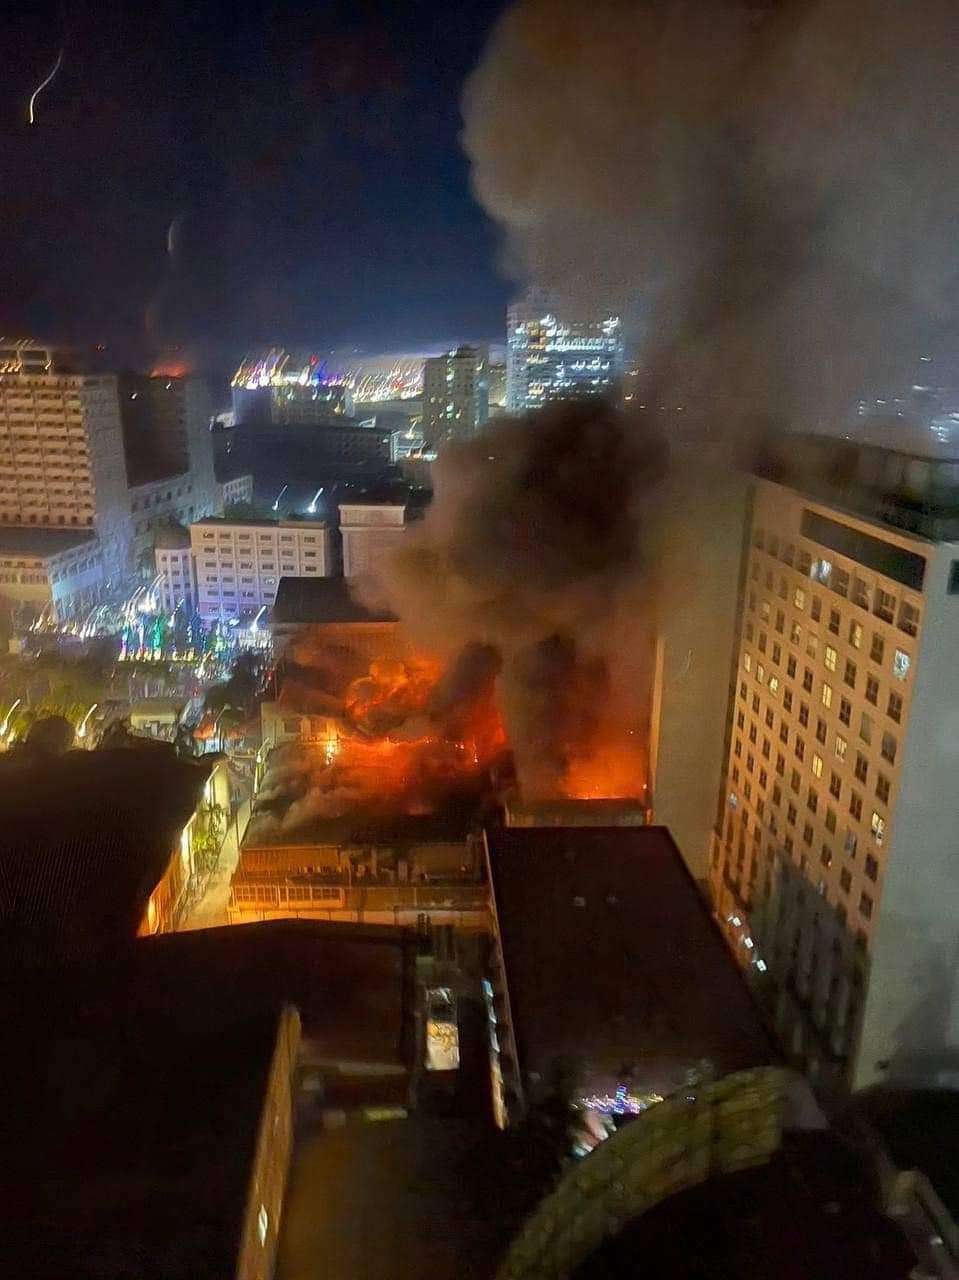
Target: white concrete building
[370, 532]
[173, 552]
[238, 564]
[62, 461]
[834, 863]
[58, 572]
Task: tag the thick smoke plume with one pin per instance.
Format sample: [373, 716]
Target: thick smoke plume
[527, 568]
[770, 185]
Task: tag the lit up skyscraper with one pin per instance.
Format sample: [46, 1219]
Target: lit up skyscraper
[455, 394]
[556, 356]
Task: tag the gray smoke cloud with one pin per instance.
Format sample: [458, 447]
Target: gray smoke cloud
[773, 187]
[527, 569]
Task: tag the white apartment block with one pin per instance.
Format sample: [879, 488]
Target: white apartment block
[835, 858]
[371, 532]
[237, 565]
[57, 572]
[62, 461]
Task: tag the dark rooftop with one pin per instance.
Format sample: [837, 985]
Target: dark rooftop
[171, 536]
[129, 1148]
[41, 542]
[322, 600]
[87, 837]
[612, 956]
[914, 492]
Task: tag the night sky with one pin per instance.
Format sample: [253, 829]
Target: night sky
[307, 156]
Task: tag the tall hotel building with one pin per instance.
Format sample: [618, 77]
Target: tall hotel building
[61, 453]
[834, 864]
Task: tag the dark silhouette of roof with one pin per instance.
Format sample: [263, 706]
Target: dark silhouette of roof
[611, 955]
[316, 601]
[87, 837]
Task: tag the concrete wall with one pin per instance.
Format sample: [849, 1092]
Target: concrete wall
[911, 1018]
[702, 529]
[264, 1206]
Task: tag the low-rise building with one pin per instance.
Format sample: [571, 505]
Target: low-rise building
[234, 566]
[56, 572]
[324, 615]
[173, 552]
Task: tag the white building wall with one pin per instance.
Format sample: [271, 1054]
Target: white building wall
[830, 786]
[238, 566]
[370, 534]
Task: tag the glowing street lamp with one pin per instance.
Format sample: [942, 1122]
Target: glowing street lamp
[312, 507]
[5, 725]
[276, 500]
[82, 727]
[255, 624]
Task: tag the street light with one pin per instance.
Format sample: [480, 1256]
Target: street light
[276, 500]
[6, 719]
[82, 727]
[312, 507]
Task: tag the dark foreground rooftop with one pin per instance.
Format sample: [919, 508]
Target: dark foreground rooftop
[612, 957]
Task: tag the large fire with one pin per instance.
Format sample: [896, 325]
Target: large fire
[410, 736]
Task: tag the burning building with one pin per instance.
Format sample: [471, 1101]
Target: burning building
[370, 813]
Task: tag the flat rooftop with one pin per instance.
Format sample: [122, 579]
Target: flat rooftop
[318, 601]
[612, 956]
[18, 541]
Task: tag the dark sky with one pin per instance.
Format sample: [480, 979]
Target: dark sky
[309, 153]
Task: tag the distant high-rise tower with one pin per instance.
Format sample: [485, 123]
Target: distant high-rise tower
[455, 394]
[552, 355]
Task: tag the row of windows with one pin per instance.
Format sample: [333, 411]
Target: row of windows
[880, 602]
[894, 701]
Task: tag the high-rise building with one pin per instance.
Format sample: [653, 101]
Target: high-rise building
[61, 458]
[553, 355]
[371, 531]
[169, 456]
[455, 394]
[833, 860]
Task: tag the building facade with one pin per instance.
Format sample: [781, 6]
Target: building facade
[370, 533]
[833, 855]
[555, 356]
[62, 460]
[238, 564]
[455, 395]
[55, 573]
[235, 489]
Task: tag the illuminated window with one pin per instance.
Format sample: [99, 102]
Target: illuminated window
[799, 598]
[829, 657]
[773, 685]
[760, 673]
[855, 634]
[262, 1224]
[827, 695]
[841, 745]
[795, 633]
[900, 664]
[817, 765]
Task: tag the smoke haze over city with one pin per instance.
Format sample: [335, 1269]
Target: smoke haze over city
[765, 188]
